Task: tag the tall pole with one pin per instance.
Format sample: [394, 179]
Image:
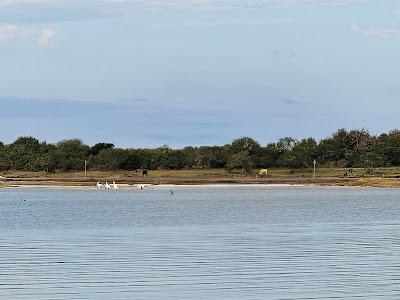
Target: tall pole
[85, 168]
[315, 163]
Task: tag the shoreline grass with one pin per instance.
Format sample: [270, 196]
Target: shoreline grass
[379, 177]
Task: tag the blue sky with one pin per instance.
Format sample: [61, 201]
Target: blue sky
[199, 72]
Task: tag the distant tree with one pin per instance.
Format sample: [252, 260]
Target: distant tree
[99, 147]
[212, 157]
[108, 159]
[23, 153]
[149, 158]
[245, 144]
[328, 151]
[241, 160]
[44, 159]
[286, 144]
[4, 158]
[70, 155]
[389, 147]
[351, 148]
[190, 154]
[269, 156]
[116, 159]
[302, 154]
[132, 161]
[175, 160]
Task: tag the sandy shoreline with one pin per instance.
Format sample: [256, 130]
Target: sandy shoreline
[384, 177]
[169, 186]
[34, 180]
[180, 186]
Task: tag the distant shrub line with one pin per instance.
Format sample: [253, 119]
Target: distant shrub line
[345, 148]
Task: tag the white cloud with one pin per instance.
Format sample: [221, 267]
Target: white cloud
[18, 2]
[228, 22]
[186, 3]
[8, 32]
[51, 11]
[46, 36]
[377, 32]
[236, 3]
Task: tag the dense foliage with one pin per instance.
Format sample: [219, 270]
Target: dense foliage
[354, 148]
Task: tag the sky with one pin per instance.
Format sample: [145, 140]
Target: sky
[144, 73]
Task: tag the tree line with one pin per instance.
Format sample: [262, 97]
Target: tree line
[344, 148]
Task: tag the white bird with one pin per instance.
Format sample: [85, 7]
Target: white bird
[115, 186]
[99, 185]
[144, 186]
[108, 187]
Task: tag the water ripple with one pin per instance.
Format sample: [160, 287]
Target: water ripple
[263, 254]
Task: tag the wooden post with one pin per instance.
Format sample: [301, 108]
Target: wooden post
[85, 168]
[315, 163]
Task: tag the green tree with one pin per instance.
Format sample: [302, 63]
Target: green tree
[389, 147]
[241, 160]
[286, 144]
[270, 156]
[96, 149]
[304, 153]
[70, 155]
[245, 144]
[23, 153]
[212, 157]
[4, 158]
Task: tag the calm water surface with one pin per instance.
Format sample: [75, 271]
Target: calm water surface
[200, 243]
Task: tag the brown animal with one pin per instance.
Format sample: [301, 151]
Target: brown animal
[263, 172]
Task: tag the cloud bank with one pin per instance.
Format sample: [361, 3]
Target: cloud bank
[376, 32]
[9, 32]
[178, 3]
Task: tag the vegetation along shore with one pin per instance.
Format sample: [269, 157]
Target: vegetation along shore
[348, 157]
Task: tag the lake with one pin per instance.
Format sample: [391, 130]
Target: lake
[200, 243]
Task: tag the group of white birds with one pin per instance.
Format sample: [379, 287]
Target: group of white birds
[114, 186]
[106, 186]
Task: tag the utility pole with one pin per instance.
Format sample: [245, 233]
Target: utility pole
[315, 163]
[85, 168]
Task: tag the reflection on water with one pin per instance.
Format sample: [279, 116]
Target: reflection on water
[215, 243]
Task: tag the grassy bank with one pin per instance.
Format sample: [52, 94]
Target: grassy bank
[385, 177]
[376, 182]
